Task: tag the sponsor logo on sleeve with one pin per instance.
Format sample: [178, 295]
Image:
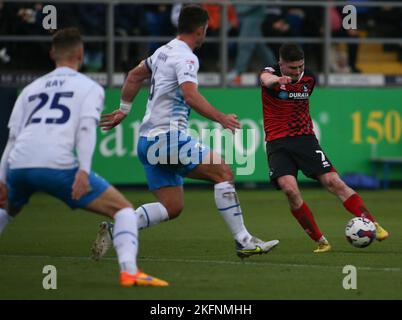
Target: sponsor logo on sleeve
[190, 64]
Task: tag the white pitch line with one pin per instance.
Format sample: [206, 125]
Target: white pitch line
[222, 262]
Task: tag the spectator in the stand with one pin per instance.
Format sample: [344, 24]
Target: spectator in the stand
[92, 19]
[283, 22]
[211, 50]
[251, 18]
[26, 19]
[157, 18]
[128, 22]
[339, 31]
[313, 26]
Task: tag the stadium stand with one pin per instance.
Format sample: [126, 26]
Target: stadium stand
[135, 37]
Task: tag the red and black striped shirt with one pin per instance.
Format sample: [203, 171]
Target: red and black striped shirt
[286, 107]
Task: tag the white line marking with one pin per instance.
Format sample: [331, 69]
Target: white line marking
[222, 262]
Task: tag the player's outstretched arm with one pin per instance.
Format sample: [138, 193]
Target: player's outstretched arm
[268, 79]
[131, 87]
[197, 101]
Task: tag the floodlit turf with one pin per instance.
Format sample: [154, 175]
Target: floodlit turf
[196, 253]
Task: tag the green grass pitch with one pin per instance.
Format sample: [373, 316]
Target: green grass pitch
[195, 253]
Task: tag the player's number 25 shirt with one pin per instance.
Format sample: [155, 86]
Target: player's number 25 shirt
[46, 116]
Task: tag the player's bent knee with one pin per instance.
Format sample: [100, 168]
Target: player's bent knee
[291, 192]
[335, 184]
[289, 189]
[174, 210]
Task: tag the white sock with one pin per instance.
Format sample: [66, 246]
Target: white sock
[229, 207]
[5, 218]
[125, 239]
[150, 214]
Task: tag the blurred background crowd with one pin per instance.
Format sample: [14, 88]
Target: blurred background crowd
[244, 20]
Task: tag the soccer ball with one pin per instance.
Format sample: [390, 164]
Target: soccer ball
[360, 232]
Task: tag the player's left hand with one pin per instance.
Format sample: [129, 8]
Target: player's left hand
[3, 195]
[229, 121]
[110, 120]
[80, 185]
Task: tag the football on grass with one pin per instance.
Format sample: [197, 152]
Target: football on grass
[360, 232]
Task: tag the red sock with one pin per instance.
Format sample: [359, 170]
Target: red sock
[305, 218]
[355, 205]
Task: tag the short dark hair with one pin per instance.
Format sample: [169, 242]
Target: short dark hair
[192, 17]
[291, 52]
[65, 39]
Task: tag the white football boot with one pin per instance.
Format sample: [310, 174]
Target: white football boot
[254, 246]
[103, 241]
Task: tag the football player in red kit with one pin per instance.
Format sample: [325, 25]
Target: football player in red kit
[292, 145]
